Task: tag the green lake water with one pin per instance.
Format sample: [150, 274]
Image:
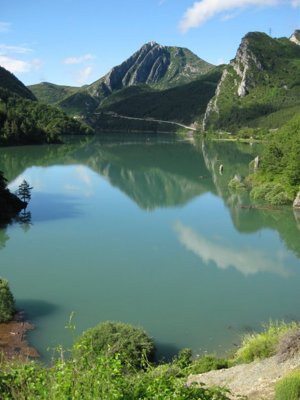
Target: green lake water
[144, 230]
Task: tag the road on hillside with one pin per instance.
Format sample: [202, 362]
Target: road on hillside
[149, 120]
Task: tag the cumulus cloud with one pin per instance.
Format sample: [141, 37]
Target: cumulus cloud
[84, 74]
[14, 65]
[17, 66]
[247, 260]
[5, 26]
[201, 11]
[78, 60]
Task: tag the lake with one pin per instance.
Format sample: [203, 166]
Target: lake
[144, 230]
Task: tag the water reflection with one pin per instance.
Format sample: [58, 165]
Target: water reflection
[153, 173]
[247, 260]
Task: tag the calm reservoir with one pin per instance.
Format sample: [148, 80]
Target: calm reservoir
[144, 230]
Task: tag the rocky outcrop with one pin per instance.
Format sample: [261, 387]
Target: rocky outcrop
[153, 64]
[296, 203]
[212, 106]
[245, 59]
[295, 38]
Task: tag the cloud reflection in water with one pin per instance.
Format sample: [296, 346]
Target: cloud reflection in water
[246, 260]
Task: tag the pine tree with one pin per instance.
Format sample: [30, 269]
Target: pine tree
[24, 191]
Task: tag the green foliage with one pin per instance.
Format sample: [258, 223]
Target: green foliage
[236, 184]
[273, 87]
[278, 177]
[258, 346]
[28, 122]
[7, 302]
[102, 376]
[208, 362]
[24, 191]
[49, 93]
[110, 338]
[12, 84]
[186, 103]
[288, 388]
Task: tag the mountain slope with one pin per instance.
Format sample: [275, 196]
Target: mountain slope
[23, 120]
[50, 93]
[260, 87]
[154, 66]
[185, 104]
[9, 82]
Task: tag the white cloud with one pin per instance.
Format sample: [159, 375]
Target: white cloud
[246, 260]
[5, 26]
[5, 49]
[17, 66]
[84, 74]
[13, 65]
[201, 11]
[78, 60]
[295, 3]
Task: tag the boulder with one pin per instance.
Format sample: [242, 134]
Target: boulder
[296, 203]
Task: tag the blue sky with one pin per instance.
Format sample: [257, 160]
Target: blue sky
[75, 42]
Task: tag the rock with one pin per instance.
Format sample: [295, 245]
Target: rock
[255, 380]
[256, 162]
[296, 203]
[295, 38]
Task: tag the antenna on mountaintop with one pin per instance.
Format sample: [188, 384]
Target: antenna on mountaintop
[270, 32]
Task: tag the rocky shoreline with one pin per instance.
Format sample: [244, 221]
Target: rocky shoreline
[13, 342]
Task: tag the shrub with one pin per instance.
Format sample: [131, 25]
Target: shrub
[110, 338]
[289, 345]
[7, 302]
[208, 363]
[288, 388]
[236, 184]
[264, 344]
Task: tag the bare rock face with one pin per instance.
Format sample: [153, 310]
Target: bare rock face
[296, 203]
[245, 59]
[295, 38]
[152, 64]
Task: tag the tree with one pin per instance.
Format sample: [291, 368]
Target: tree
[7, 302]
[24, 191]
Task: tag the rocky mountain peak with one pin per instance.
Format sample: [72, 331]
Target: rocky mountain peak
[295, 38]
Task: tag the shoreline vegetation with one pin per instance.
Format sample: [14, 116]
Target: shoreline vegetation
[115, 360]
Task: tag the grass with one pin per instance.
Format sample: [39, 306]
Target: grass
[288, 388]
[258, 346]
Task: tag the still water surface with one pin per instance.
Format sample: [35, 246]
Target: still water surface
[145, 231]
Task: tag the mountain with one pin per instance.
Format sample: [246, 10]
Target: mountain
[23, 120]
[153, 67]
[295, 38]
[260, 88]
[9, 82]
[50, 93]
[184, 104]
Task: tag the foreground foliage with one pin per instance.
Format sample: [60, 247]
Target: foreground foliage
[288, 388]
[258, 346]
[115, 366]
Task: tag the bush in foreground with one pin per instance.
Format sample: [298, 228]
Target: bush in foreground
[109, 338]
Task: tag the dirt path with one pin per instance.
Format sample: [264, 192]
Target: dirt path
[256, 380]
